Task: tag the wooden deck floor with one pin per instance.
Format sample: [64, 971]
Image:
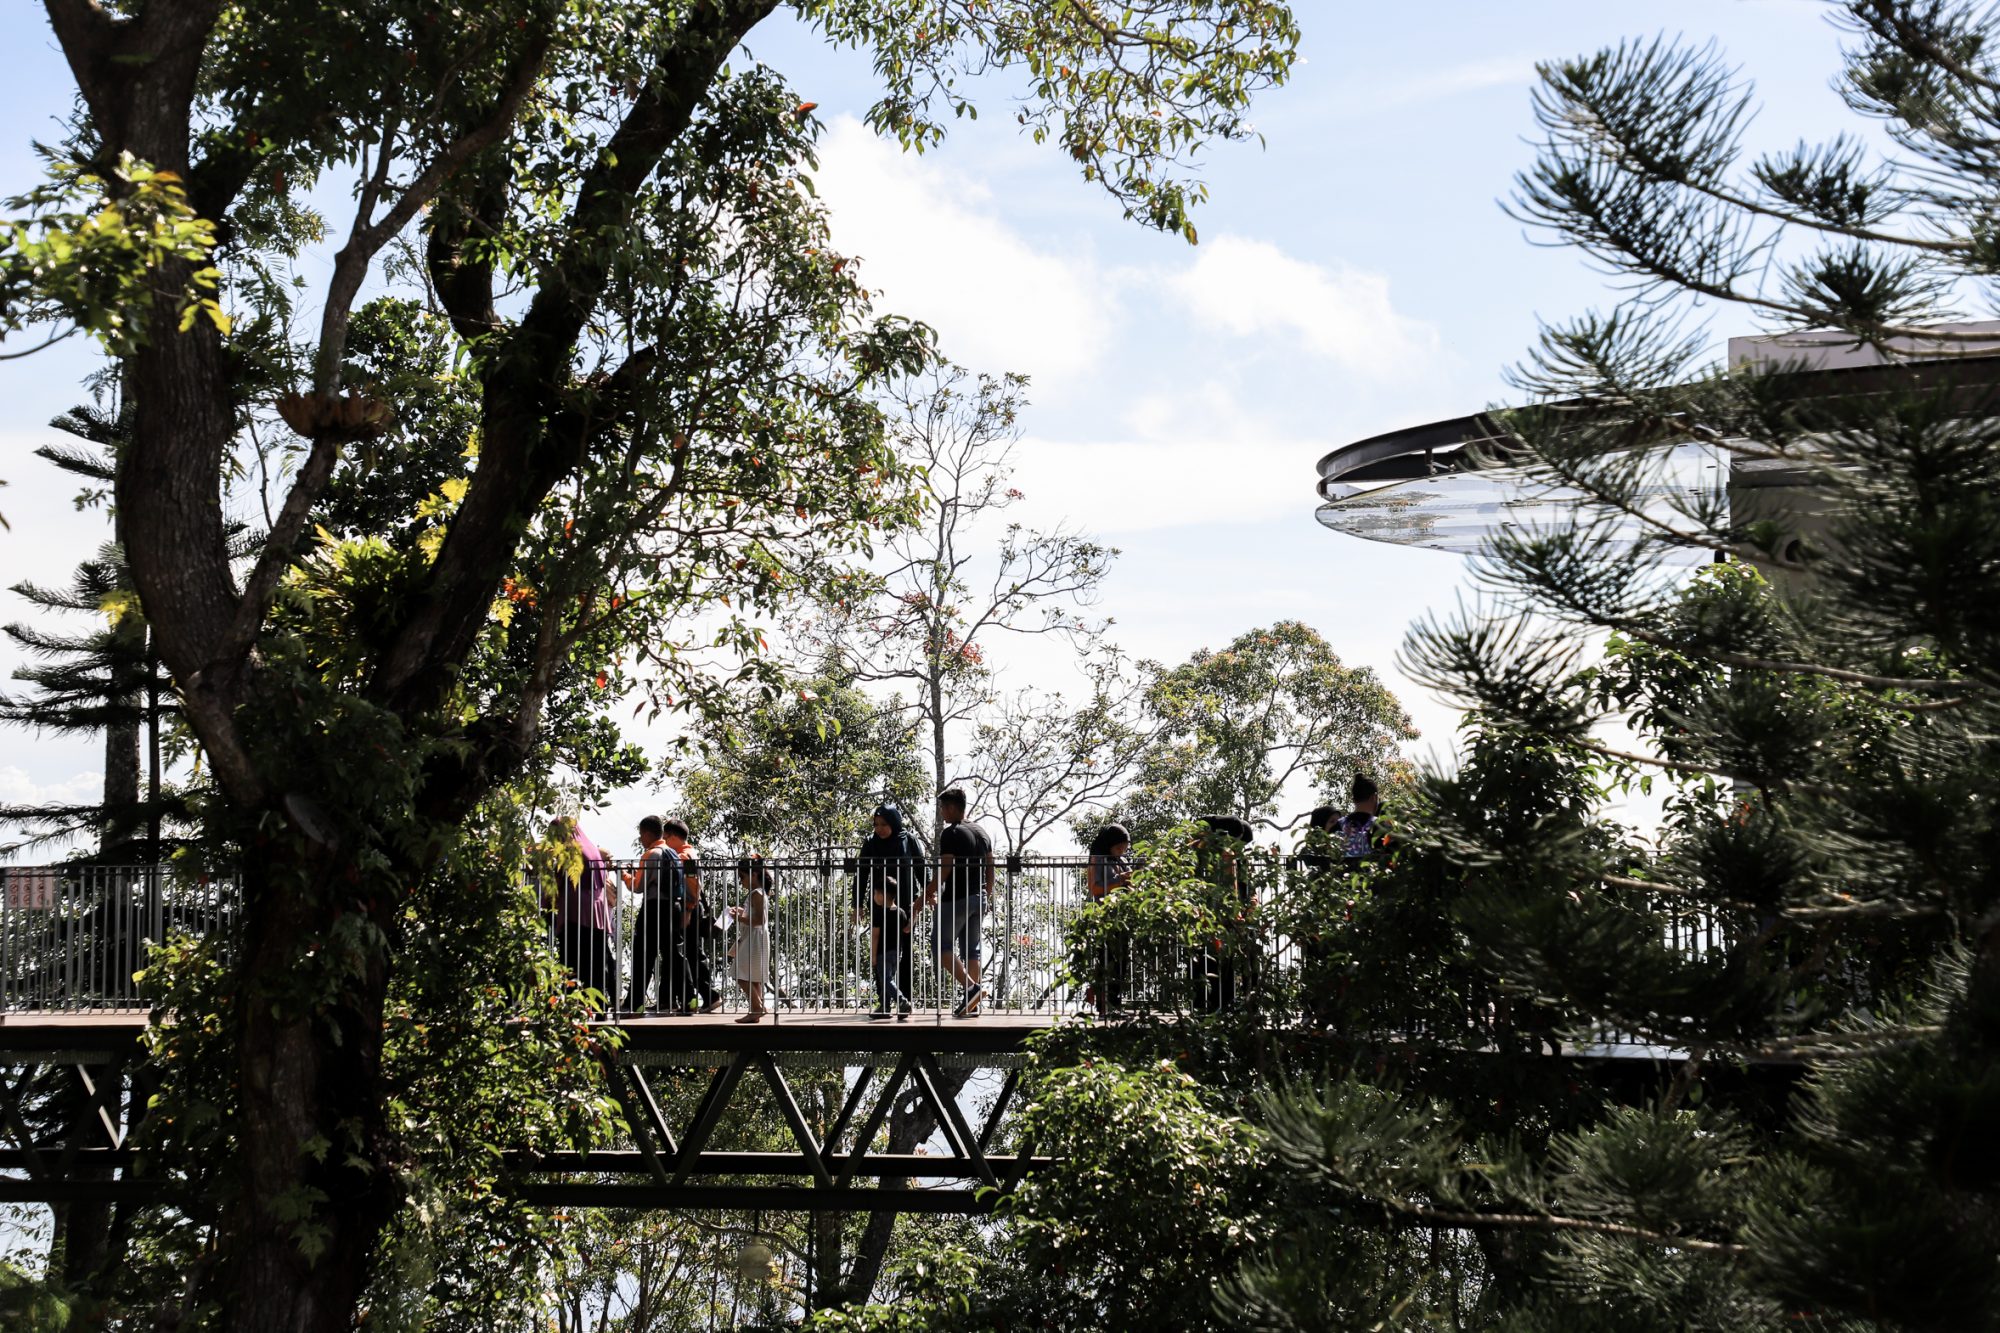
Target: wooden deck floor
[813, 1030]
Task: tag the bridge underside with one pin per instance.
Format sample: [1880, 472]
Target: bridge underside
[73, 1088]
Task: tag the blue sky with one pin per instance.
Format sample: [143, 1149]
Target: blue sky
[1354, 275]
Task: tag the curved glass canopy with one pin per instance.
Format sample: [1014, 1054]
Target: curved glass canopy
[1420, 487]
[1436, 485]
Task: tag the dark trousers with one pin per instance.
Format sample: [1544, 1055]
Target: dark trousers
[1214, 977]
[1114, 969]
[586, 952]
[656, 941]
[700, 979]
[891, 958]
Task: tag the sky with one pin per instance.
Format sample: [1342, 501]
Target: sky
[1355, 273]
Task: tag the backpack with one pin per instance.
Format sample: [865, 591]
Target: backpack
[1356, 835]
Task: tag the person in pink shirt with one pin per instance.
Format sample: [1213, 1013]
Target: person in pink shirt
[583, 903]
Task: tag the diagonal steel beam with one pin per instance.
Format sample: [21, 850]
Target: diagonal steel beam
[788, 1106]
[952, 1117]
[876, 1116]
[642, 1132]
[17, 1124]
[849, 1107]
[709, 1114]
[1008, 1087]
[104, 1101]
[655, 1117]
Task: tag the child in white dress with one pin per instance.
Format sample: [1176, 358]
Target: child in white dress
[753, 935]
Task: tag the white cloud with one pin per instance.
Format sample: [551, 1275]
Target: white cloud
[932, 241]
[1251, 288]
[1108, 487]
[19, 787]
[1515, 71]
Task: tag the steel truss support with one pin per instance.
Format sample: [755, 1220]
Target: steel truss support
[68, 1113]
[663, 1170]
[66, 1116]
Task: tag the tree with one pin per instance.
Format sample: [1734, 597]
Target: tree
[1236, 727]
[929, 621]
[1820, 736]
[1042, 763]
[107, 680]
[802, 773]
[671, 378]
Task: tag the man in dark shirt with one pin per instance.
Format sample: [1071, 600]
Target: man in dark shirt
[656, 935]
[964, 878]
[693, 921]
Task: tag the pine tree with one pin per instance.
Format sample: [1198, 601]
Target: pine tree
[1817, 709]
[102, 680]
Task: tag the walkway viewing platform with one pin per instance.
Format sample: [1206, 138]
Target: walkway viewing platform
[74, 1083]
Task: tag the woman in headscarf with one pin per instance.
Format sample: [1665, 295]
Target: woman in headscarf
[889, 873]
[578, 892]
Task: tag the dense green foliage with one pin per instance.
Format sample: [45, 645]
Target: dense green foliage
[621, 404]
[803, 773]
[1235, 727]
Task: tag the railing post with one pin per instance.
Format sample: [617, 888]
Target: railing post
[1007, 935]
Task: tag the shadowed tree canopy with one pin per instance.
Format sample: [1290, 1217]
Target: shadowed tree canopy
[804, 772]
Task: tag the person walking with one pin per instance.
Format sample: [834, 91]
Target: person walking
[960, 891]
[600, 904]
[1220, 849]
[752, 959]
[1110, 868]
[888, 874]
[694, 923]
[1354, 833]
[656, 935]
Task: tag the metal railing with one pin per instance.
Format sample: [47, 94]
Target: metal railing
[72, 937]
[824, 934]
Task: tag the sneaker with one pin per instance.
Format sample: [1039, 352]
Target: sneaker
[968, 1003]
[877, 1015]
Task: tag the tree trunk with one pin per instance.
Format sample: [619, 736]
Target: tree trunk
[117, 839]
[910, 1125]
[310, 1070]
[937, 751]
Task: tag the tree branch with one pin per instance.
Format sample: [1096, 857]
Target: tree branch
[521, 461]
[367, 237]
[1549, 1222]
